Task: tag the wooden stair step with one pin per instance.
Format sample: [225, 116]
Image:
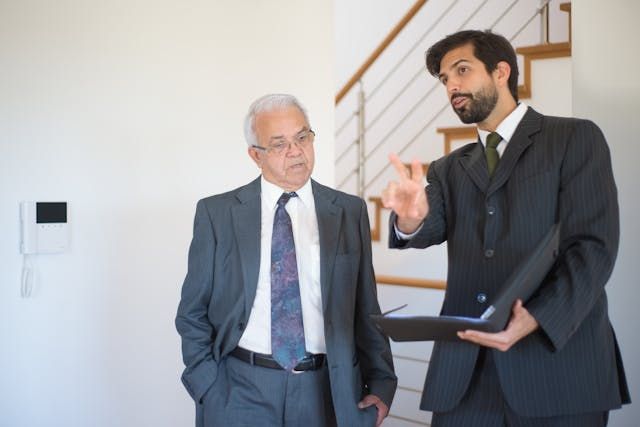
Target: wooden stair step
[542, 51]
[457, 133]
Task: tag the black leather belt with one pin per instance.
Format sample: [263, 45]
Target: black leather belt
[309, 363]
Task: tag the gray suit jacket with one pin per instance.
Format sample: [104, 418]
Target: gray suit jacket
[553, 170]
[220, 288]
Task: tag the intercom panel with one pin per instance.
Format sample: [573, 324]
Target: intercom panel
[44, 227]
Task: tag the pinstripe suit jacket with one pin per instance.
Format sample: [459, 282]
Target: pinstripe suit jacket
[553, 170]
[220, 287]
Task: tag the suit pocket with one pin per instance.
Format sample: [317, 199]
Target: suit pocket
[368, 416]
[357, 381]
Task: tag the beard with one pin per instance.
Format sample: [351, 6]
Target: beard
[479, 106]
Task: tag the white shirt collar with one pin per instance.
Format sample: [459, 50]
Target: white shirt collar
[508, 126]
[271, 193]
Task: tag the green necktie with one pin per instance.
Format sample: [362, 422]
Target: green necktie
[493, 139]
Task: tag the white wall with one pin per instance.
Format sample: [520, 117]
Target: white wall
[360, 26]
[606, 90]
[130, 111]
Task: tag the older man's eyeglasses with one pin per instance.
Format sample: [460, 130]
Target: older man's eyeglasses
[281, 145]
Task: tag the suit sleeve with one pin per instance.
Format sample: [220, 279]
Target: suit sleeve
[192, 321]
[589, 217]
[374, 351]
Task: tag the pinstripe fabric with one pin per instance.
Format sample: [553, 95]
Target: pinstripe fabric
[553, 170]
[483, 405]
[484, 393]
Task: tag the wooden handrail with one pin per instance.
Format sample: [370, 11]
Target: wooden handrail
[413, 282]
[376, 53]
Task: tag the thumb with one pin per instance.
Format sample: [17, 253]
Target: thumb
[367, 401]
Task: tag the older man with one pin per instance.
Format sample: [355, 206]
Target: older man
[280, 285]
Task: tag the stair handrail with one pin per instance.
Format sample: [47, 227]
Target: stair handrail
[539, 11]
[381, 47]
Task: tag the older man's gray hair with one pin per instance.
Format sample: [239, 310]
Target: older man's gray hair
[271, 102]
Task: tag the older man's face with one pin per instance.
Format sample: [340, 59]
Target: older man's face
[291, 168]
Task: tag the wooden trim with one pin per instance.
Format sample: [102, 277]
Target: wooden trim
[411, 282]
[375, 231]
[543, 51]
[458, 132]
[376, 53]
[425, 167]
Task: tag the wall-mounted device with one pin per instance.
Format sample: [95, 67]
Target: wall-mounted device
[43, 230]
[44, 227]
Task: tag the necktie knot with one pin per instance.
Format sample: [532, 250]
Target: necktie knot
[286, 197]
[493, 139]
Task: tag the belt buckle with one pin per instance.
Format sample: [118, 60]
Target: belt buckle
[296, 371]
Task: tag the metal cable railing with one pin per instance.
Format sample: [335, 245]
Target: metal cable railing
[445, 104]
[420, 72]
[538, 12]
[416, 105]
[346, 123]
[403, 119]
[411, 50]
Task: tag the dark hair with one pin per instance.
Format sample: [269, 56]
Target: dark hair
[488, 47]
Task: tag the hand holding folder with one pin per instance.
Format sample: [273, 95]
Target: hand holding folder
[520, 285]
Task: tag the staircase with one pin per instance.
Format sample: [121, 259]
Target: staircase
[417, 277]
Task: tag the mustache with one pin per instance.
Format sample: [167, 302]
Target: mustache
[458, 95]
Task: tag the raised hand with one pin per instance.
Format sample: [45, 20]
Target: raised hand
[406, 197]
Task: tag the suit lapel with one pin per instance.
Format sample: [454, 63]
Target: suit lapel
[474, 163]
[329, 226]
[246, 226]
[521, 139]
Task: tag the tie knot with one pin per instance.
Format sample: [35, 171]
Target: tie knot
[285, 198]
[493, 139]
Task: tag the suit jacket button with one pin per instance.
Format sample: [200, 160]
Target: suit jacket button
[481, 298]
[241, 326]
[488, 253]
[491, 210]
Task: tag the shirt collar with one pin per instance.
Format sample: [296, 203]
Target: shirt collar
[271, 193]
[508, 126]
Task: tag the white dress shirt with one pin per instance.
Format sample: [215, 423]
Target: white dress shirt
[505, 129]
[304, 222]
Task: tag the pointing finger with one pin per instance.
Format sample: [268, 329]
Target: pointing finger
[399, 166]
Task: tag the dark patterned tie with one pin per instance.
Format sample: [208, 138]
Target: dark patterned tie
[287, 332]
[493, 139]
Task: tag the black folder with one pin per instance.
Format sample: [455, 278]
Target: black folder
[521, 284]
